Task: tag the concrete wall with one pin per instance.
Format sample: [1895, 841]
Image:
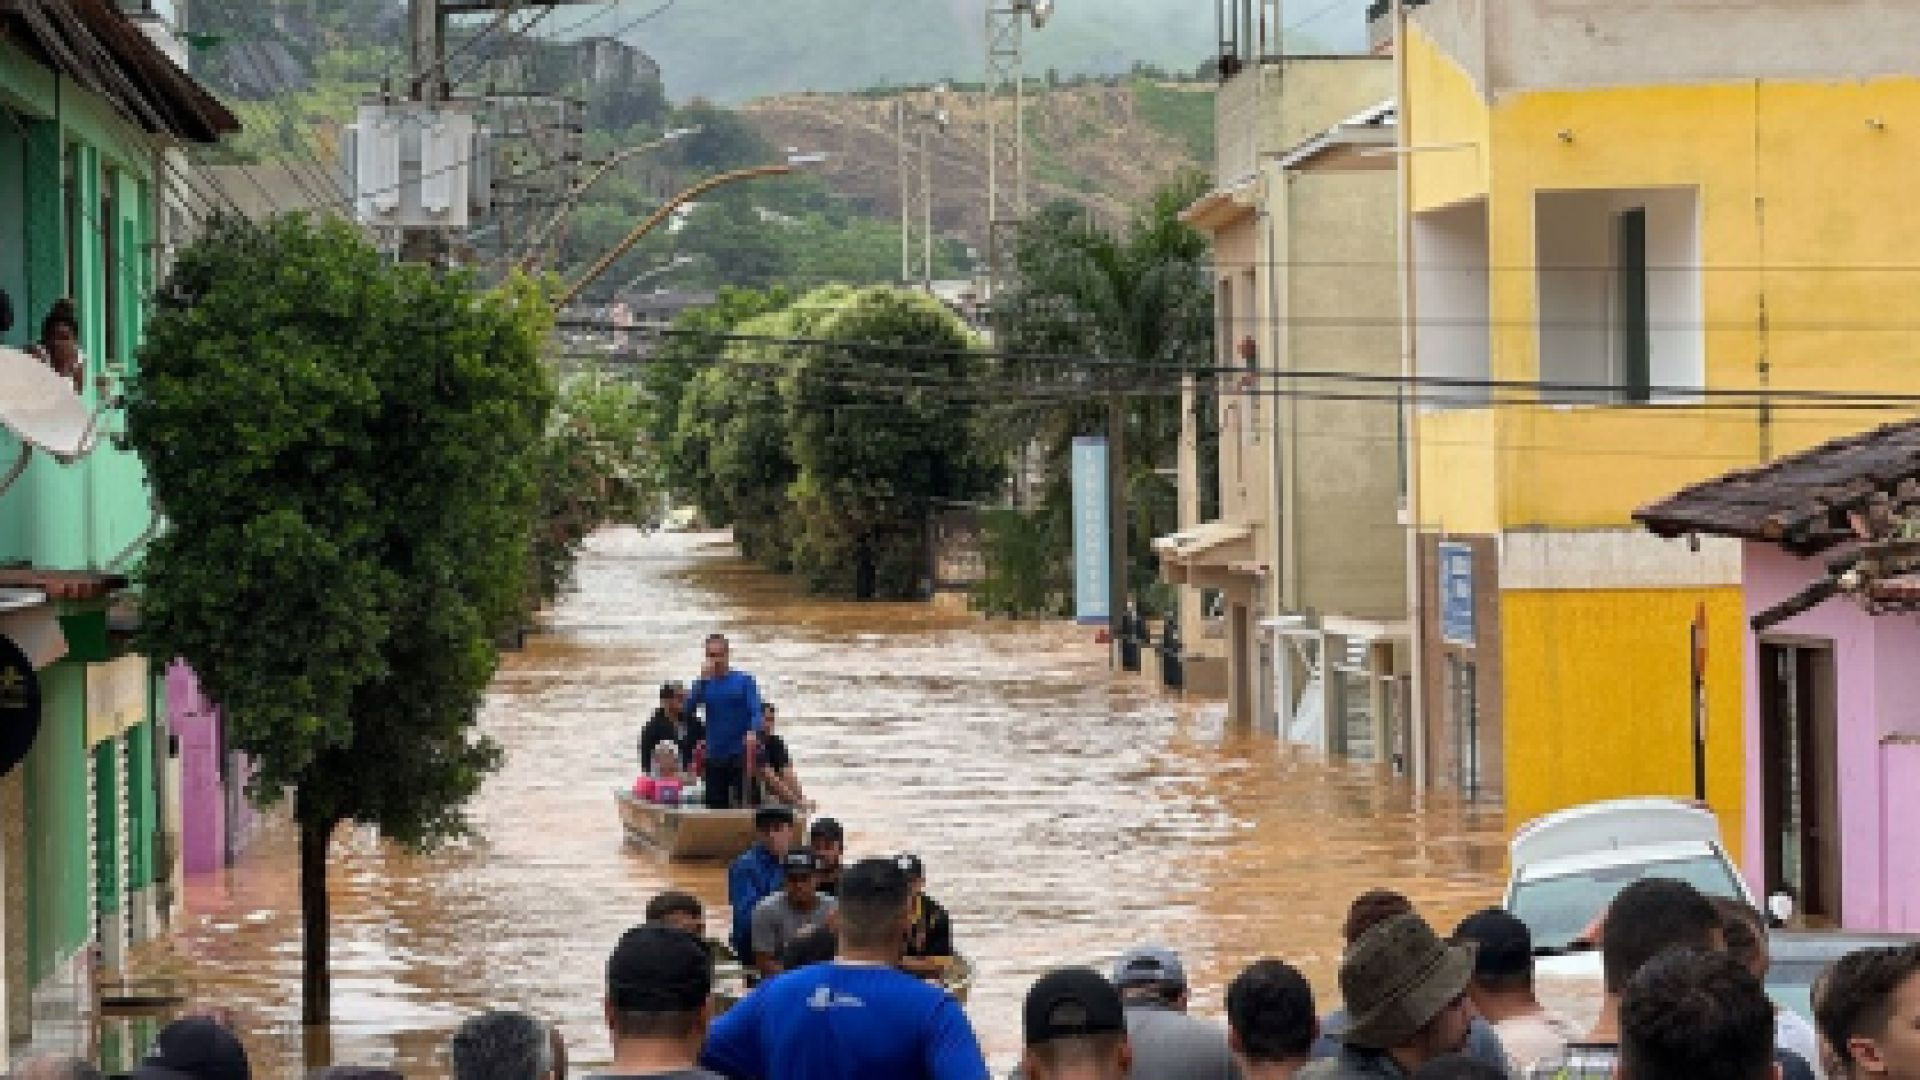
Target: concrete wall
[1877, 684]
[1272, 107]
[1597, 701]
[1338, 462]
[1520, 45]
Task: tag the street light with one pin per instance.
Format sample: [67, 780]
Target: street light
[572, 202]
[795, 160]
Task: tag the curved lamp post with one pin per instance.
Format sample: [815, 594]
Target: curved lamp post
[572, 201]
[653, 221]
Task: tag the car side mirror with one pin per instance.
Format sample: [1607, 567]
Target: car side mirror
[1780, 906]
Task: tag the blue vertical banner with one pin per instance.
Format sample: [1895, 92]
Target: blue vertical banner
[1090, 547]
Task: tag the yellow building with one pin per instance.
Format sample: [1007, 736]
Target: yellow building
[1638, 228]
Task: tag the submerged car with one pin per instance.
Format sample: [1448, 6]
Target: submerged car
[1569, 865]
[1799, 956]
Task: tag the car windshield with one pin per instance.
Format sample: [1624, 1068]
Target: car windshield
[1791, 986]
[1558, 908]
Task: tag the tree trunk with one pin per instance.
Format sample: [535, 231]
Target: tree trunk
[316, 986]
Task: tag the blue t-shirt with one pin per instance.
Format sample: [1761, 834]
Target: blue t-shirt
[841, 1021]
[753, 877]
[732, 704]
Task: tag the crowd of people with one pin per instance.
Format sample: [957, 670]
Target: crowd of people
[1682, 999]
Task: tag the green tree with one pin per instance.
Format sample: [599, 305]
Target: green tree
[880, 420]
[698, 342]
[346, 452]
[598, 466]
[1133, 310]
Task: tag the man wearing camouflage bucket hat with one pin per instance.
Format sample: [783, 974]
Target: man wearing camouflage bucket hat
[1406, 992]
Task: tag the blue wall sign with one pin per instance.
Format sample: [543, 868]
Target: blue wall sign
[1456, 594]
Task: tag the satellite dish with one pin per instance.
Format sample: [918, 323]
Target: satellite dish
[40, 406]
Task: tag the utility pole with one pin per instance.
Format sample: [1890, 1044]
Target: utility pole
[915, 147]
[1007, 137]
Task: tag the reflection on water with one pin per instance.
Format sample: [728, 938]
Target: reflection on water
[1064, 814]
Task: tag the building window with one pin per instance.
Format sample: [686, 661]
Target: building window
[1463, 708]
[1633, 332]
[75, 215]
[110, 255]
[1620, 295]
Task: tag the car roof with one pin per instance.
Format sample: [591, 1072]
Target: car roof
[1614, 823]
[1608, 858]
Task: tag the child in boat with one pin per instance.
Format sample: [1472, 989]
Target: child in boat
[666, 767]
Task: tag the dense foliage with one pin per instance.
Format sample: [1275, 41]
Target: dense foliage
[345, 451]
[598, 466]
[827, 431]
[1115, 313]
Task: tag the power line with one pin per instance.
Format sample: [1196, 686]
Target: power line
[1583, 390]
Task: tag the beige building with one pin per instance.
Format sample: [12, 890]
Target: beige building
[1297, 584]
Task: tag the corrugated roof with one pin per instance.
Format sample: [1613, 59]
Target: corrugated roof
[93, 43]
[1800, 501]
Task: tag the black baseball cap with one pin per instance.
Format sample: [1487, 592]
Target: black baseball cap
[768, 816]
[828, 829]
[659, 969]
[800, 861]
[195, 1048]
[1072, 1003]
[912, 866]
[672, 689]
[1502, 943]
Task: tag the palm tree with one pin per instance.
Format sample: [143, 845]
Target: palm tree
[1093, 314]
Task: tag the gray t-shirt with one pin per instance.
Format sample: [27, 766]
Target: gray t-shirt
[1170, 1045]
[775, 922]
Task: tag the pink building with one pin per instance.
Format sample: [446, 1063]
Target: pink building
[215, 818]
[1832, 717]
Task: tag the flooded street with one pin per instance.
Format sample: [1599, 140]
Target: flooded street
[1063, 815]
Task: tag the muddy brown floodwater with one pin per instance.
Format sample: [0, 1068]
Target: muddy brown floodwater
[1064, 813]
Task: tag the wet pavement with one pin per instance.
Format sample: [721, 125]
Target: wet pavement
[1063, 813]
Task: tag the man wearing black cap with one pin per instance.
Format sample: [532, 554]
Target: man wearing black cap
[829, 843]
[1075, 1029]
[1167, 1043]
[671, 722]
[1502, 988]
[659, 982]
[195, 1048]
[797, 908]
[758, 873]
[857, 1017]
[1406, 994]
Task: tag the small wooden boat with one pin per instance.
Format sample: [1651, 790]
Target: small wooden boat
[689, 833]
[731, 982]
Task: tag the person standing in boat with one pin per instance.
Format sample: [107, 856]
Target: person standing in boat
[758, 873]
[730, 700]
[929, 945]
[778, 783]
[671, 723]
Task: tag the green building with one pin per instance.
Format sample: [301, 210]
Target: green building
[94, 108]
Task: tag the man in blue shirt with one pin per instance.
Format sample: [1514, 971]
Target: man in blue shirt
[856, 1018]
[731, 701]
[758, 873]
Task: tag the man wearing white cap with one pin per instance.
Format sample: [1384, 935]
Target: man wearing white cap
[1167, 1043]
